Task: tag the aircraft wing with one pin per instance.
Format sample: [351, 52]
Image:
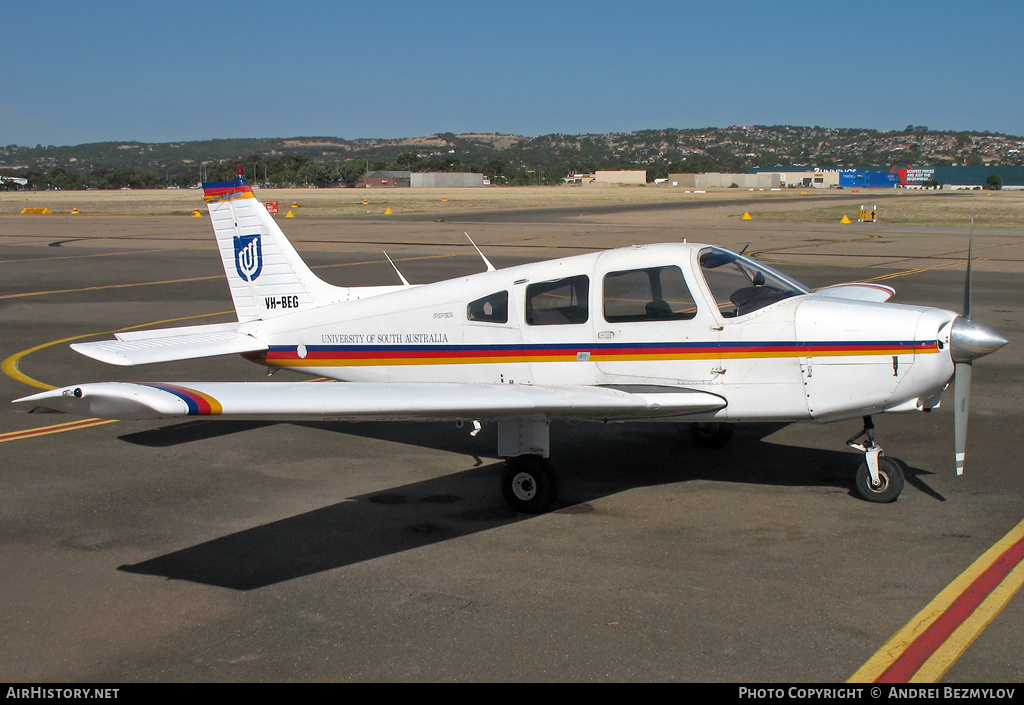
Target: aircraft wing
[358, 401]
[859, 291]
[144, 347]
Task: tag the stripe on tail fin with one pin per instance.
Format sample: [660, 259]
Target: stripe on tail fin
[266, 276]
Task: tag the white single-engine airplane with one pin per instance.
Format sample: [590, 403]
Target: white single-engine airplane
[669, 332]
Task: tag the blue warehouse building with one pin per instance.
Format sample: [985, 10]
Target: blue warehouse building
[868, 179]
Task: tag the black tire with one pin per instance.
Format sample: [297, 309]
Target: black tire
[529, 484]
[890, 481]
[711, 434]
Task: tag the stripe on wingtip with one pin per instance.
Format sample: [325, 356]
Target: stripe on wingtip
[198, 403]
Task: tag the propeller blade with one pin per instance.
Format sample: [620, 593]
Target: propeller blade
[967, 279]
[962, 370]
[962, 398]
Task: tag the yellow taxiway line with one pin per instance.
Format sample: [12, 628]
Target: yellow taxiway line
[58, 428]
[10, 365]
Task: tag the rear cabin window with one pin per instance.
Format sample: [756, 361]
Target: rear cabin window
[489, 309]
[650, 294]
[559, 302]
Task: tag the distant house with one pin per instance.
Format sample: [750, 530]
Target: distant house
[14, 180]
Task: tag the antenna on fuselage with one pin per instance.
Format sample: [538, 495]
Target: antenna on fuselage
[404, 280]
[490, 267]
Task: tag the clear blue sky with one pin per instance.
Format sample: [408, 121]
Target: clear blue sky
[105, 70]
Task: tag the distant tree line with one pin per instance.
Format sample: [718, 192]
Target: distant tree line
[504, 159]
[536, 160]
[536, 166]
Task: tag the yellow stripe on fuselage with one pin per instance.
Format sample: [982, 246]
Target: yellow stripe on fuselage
[593, 356]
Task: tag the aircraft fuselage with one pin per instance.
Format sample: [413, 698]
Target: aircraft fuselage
[637, 316]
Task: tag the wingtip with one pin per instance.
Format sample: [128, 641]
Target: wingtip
[101, 352]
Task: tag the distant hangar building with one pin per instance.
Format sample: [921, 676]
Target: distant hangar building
[868, 179]
[384, 179]
[620, 177]
[717, 180]
[822, 178]
[804, 178]
[445, 179]
[947, 177]
[414, 179]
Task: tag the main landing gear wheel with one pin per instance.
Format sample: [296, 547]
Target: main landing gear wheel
[528, 484]
[711, 434]
[890, 481]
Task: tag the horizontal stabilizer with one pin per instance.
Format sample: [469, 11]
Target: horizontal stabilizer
[142, 349]
[859, 291]
[350, 401]
[147, 334]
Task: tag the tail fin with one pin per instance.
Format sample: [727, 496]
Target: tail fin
[266, 276]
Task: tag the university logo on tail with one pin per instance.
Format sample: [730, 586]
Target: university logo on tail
[248, 256]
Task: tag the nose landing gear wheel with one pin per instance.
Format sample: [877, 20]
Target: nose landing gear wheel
[890, 481]
[528, 484]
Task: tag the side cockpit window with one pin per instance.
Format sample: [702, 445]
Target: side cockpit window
[489, 309]
[558, 302]
[741, 286]
[650, 294]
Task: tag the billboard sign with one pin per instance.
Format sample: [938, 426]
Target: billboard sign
[913, 175]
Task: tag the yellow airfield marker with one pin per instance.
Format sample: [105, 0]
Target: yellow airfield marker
[388, 212]
[746, 216]
[844, 220]
[290, 215]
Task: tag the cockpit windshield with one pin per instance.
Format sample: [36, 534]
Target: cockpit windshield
[741, 286]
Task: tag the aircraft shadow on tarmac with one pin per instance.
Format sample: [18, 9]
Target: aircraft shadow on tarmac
[593, 461]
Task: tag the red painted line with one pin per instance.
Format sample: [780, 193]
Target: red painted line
[915, 655]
